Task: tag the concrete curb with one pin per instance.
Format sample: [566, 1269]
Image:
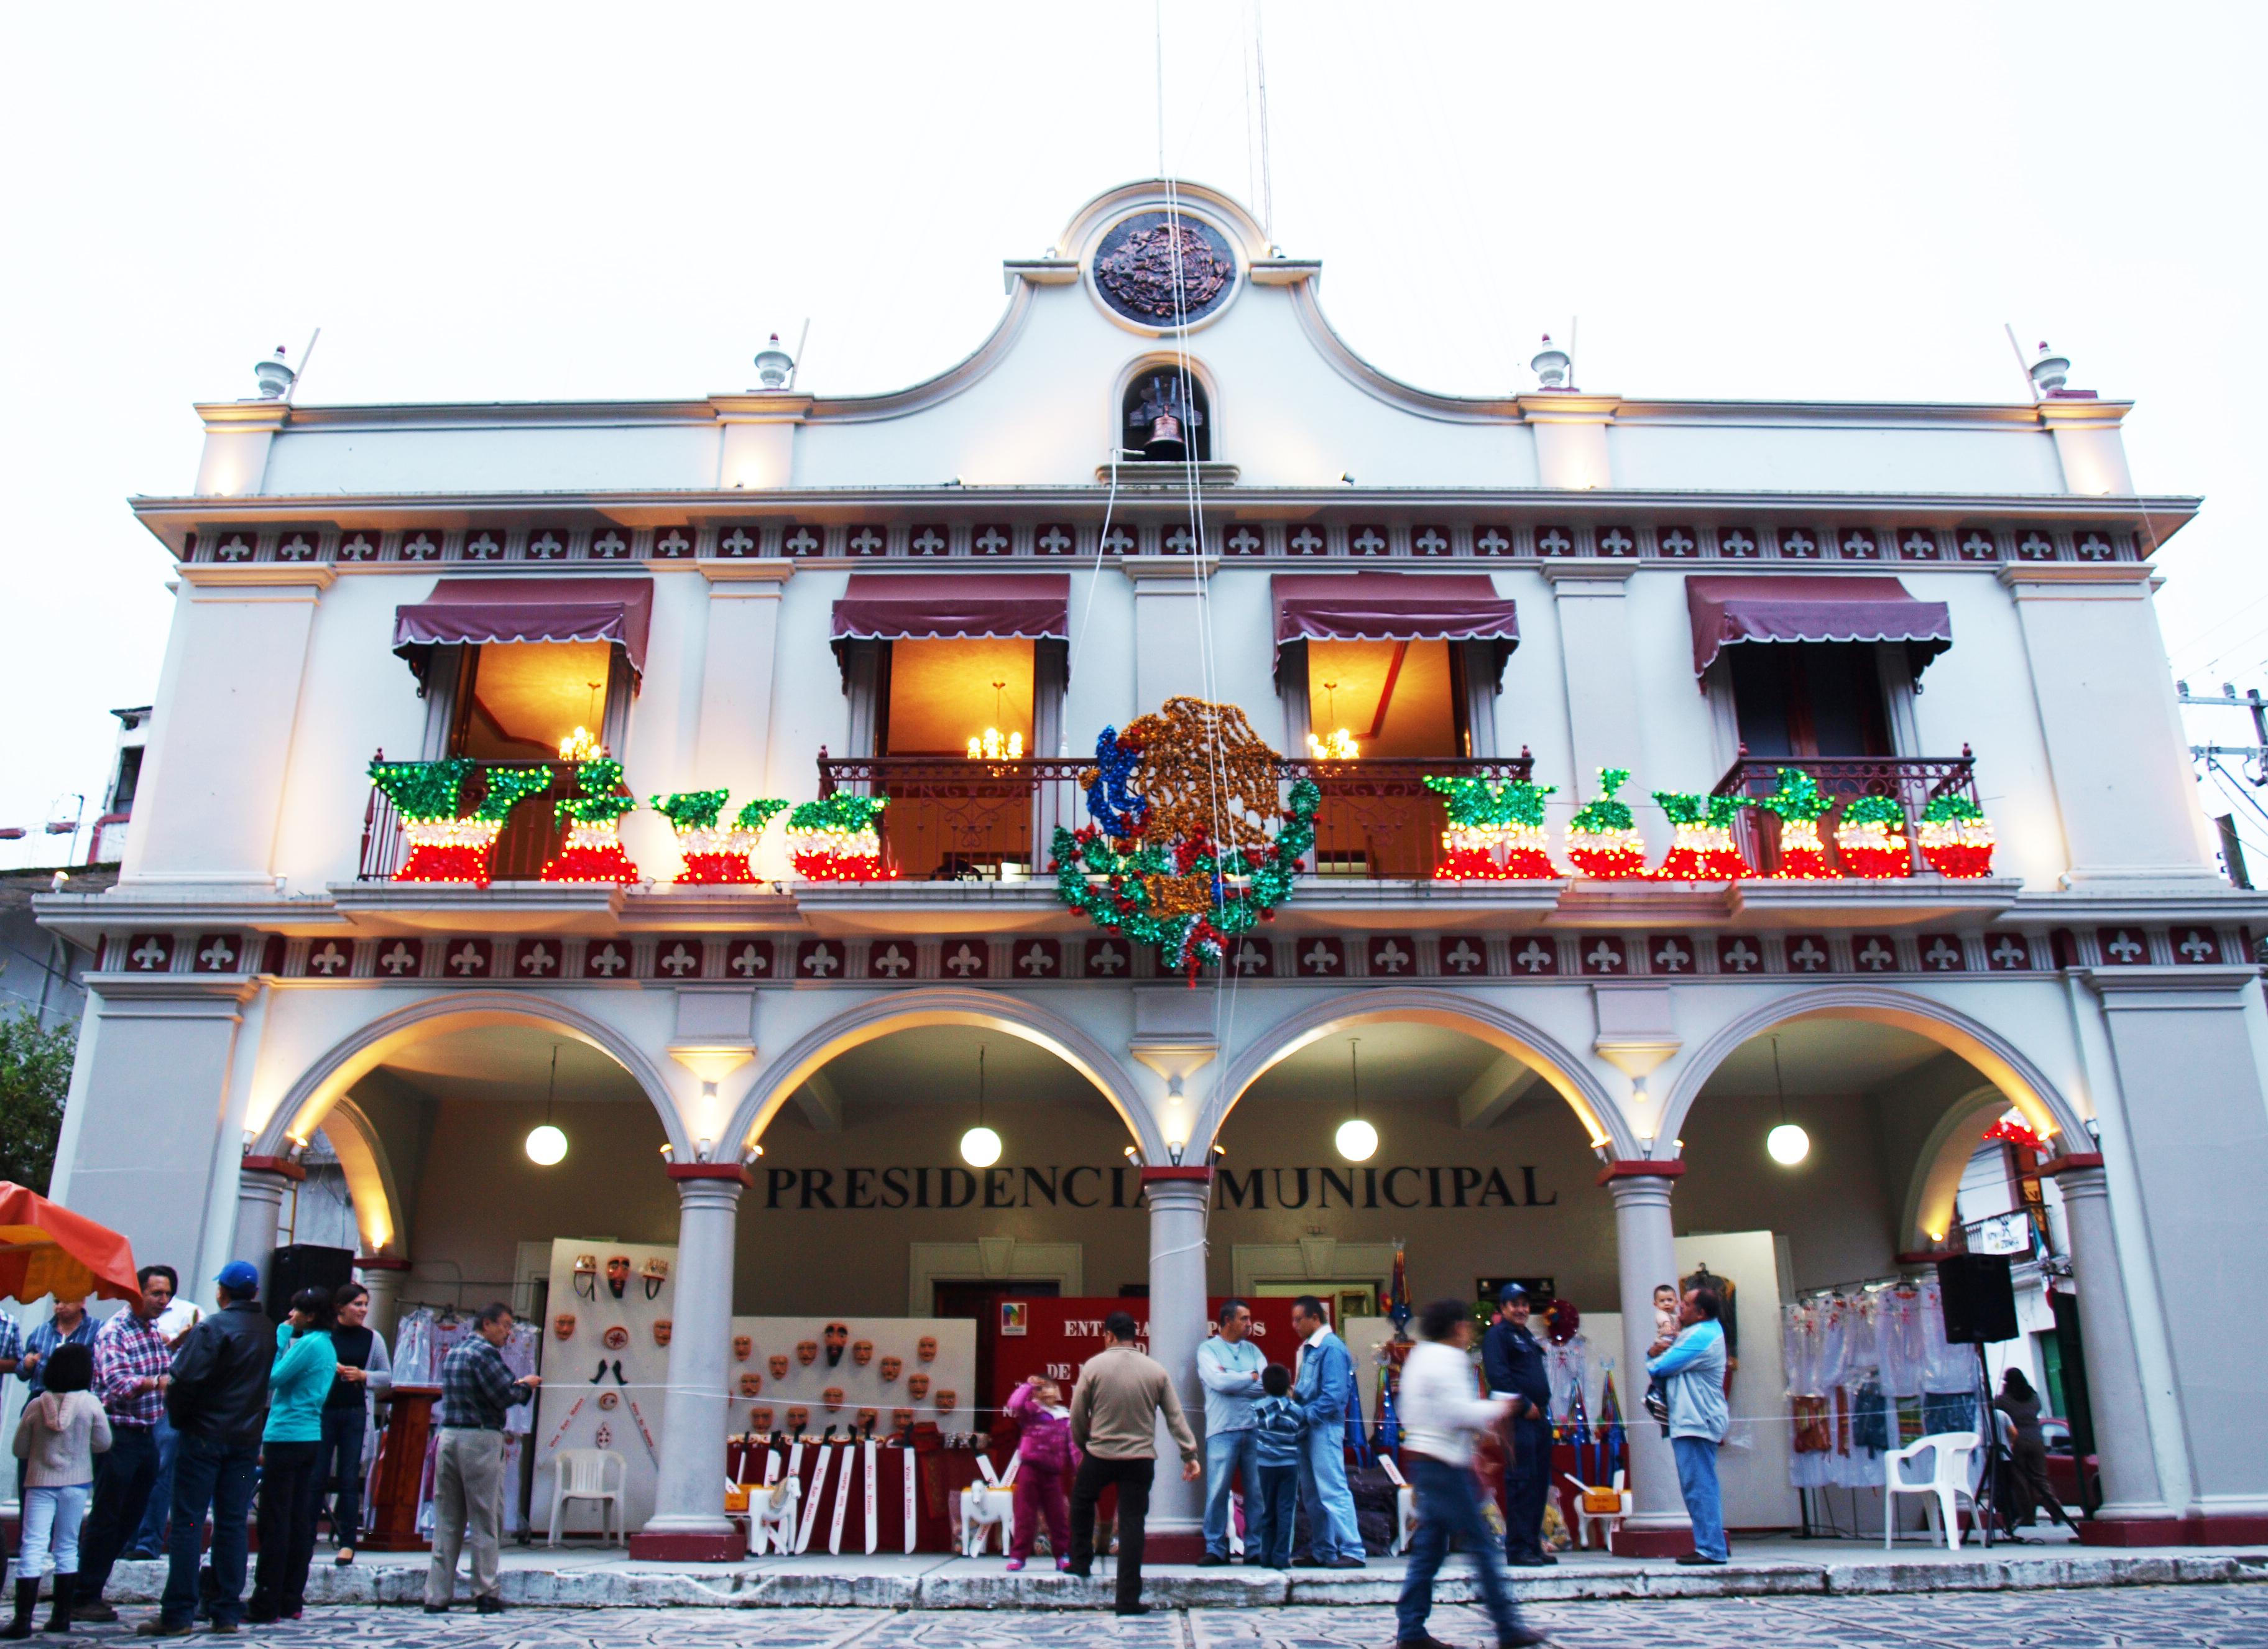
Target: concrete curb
[398, 1584]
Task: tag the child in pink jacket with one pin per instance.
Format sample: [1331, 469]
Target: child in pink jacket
[1046, 1460]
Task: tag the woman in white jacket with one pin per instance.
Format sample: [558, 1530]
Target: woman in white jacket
[1441, 1411]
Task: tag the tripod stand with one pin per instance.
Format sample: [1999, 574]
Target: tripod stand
[1987, 1497]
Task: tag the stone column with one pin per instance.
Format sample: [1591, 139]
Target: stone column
[688, 1523]
[261, 1186]
[1178, 1198]
[2191, 1121]
[2133, 1505]
[1605, 722]
[1646, 1257]
[383, 1275]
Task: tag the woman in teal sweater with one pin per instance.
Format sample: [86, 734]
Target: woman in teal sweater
[305, 1364]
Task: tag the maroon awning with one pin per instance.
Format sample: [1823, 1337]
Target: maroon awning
[474, 612]
[1813, 608]
[1393, 606]
[902, 606]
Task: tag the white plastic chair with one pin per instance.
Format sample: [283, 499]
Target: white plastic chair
[1585, 1519]
[1950, 1481]
[585, 1474]
[1405, 1508]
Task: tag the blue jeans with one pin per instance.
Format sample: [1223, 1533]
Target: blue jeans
[1447, 1505]
[1332, 1533]
[122, 1494]
[208, 1474]
[151, 1537]
[338, 1470]
[1696, 1480]
[1269, 1515]
[1225, 1454]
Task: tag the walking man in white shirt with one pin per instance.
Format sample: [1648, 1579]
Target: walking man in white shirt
[1229, 1366]
[1441, 1411]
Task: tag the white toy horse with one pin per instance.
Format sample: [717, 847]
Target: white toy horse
[772, 1516]
[986, 1506]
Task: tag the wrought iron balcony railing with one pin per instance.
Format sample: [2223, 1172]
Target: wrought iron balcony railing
[1912, 781]
[533, 834]
[950, 817]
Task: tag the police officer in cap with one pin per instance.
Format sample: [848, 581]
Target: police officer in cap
[1513, 1363]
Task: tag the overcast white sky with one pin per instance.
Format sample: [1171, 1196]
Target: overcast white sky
[508, 203]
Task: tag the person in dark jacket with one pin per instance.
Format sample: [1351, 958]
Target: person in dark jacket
[2029, 1454]
[219, 1403]
[1514, 1364]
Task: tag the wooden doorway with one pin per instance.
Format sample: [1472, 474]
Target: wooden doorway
[980, 1303]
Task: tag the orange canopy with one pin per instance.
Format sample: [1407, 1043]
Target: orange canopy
[45, 1250]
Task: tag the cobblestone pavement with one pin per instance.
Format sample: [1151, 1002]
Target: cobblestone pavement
[2148, 1617]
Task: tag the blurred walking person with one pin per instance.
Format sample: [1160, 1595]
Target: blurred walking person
[1441, 1410]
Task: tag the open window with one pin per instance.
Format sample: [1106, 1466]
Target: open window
[1388, 698]
[526, 701]
[511, 668]
[1811, 699]
[1388, 678]
[1814, 666]
[955, 682]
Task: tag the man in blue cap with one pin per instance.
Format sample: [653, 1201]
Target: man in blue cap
[1513, 1363]
[219, 1403]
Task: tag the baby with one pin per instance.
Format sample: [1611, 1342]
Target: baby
[1664, 1330]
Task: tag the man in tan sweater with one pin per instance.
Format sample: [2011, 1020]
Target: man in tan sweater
[1113, 1420]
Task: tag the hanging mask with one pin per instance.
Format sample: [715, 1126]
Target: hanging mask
[563, 1326]
[837, 1335]
[866, 1418]
[586, 1275]
[918, 1387]
[892, 1367]
[777, 1363]
[806, 1352]
[946, 1400]
[862, 1353]
[616, 1337]
[618, 1274]
[605, 1435]
[760, 1420]
[832, 1398]
[902, 1419]
[656, 1273]
[925, 1348]
[743, 1348]
[661, 1328]
[798, 1421]
[610, 1399]
[752, 1384]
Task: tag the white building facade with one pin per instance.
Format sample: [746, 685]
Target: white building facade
[779, 594]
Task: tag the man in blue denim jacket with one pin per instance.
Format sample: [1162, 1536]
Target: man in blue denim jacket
[1324, 1388]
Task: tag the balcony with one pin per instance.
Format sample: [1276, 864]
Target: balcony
[533, 834]
[952, 819]
[1912, 781]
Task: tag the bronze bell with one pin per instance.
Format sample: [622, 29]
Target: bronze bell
[1164, 443]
